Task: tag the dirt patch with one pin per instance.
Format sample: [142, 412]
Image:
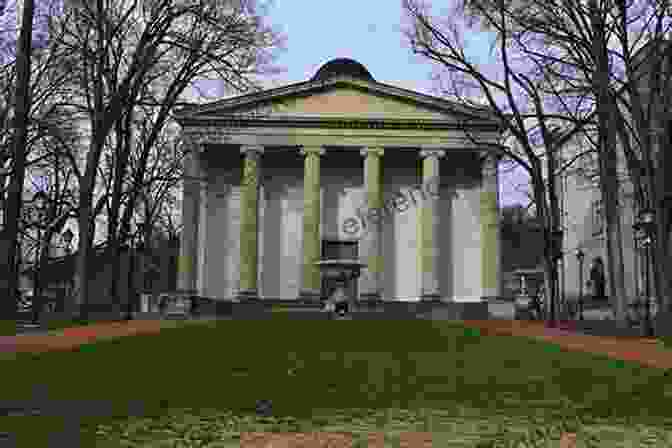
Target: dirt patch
[646, 351]
[69, 338]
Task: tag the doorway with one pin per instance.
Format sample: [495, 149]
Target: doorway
[338, 250]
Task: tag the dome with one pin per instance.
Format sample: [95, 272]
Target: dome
[342, 67]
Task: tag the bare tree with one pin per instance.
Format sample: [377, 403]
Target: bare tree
[123, 49]
[618, 53]
[19, 138]
[49, 136]
[537, 127]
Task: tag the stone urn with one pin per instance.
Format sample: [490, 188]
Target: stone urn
[344, 272]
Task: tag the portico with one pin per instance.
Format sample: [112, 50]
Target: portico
[410, 179]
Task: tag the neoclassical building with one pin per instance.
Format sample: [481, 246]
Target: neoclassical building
[340, 166]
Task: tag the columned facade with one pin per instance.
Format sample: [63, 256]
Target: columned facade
[376, 137]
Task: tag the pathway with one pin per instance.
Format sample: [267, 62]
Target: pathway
[644, 350]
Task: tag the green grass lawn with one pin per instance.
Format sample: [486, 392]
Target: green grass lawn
[7, 327]
[335, 375]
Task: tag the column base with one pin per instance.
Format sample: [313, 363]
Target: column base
[310, 295]
[248, 294]
[369, 296]
[430, 296]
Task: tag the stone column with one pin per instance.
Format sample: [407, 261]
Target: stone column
[187, 263]
[490, 238]
[201, 277]
[370, 244]
[428, 224]
[310, 288]
[249, 219]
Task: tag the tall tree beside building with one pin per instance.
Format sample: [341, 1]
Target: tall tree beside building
[535, 126]
[130, 55]
[22, 101]
[615, 54]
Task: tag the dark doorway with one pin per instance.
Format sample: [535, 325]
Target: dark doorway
[338, 250]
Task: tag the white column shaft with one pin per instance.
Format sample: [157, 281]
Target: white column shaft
[187, 262]
[429, 224]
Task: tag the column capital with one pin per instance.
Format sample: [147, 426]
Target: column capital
[312, 150]
[489, 155]
[251, 150]
[372, 150]
[438, 153]
[489, 162]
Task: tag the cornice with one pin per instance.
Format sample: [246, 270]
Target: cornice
[337, 123]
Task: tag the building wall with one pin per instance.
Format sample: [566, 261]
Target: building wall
[583, 230]
[281, 211]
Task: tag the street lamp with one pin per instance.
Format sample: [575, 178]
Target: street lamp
[40, 200]
[67, 237]
[135, 247]
[580, 256]
[552, 293]
[645, 228]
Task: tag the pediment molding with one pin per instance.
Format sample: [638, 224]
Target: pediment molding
[259, 106]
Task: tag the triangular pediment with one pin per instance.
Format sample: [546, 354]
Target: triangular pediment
[336, 98]
[345, 101]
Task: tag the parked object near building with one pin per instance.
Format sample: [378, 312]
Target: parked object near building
[529, 303]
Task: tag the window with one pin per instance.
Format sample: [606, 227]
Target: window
[598, 217]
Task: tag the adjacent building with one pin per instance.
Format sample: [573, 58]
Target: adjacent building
[583, 208]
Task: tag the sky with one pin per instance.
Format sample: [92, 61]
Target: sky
[366, 31]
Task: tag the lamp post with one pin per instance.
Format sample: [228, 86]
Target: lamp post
[552, 292]
[645, 226]
[135, 247]
[67, 237]
[580, 256]
[40, 200]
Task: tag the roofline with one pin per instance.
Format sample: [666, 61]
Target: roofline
[440, 103]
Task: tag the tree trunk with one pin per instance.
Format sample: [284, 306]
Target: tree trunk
[544, 218]
[22, 101]
[83, 244]
[608, 166]
[100, 129]
[123, 149]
